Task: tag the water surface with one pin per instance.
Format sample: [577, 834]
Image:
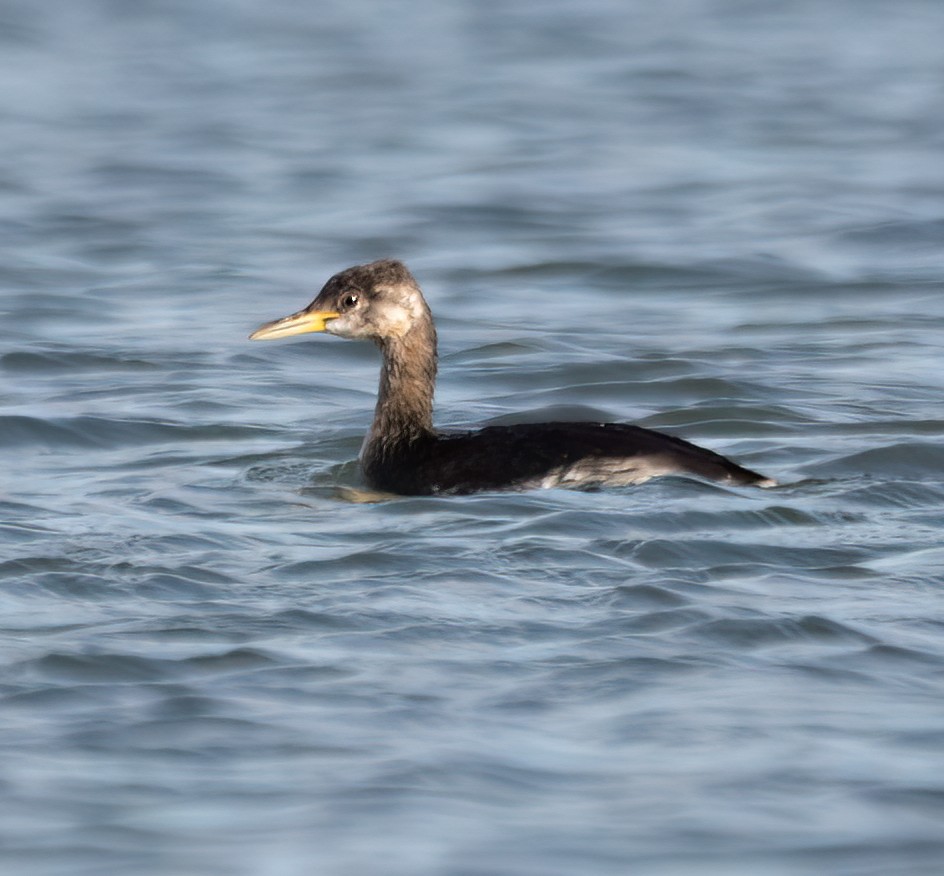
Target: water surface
[711, 218]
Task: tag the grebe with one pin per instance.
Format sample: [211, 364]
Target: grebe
[403, 453]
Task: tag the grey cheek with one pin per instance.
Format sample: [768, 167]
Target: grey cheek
[338, 327]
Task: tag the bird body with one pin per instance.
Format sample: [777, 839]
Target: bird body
[532, 455]
[403, 453]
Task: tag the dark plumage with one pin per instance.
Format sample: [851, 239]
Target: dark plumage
[404, 454]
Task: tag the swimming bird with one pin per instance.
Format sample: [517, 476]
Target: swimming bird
[403, 453]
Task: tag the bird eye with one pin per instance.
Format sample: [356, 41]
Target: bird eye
[348, 301]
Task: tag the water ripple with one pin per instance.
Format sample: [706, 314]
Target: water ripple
[219, 656]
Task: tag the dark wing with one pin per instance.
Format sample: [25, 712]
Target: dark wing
[533, 454]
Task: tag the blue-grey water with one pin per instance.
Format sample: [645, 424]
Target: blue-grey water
[717, 218]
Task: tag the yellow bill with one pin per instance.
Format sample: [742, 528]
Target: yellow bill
[296, 324]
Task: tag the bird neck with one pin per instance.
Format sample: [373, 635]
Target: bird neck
[404, 410]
